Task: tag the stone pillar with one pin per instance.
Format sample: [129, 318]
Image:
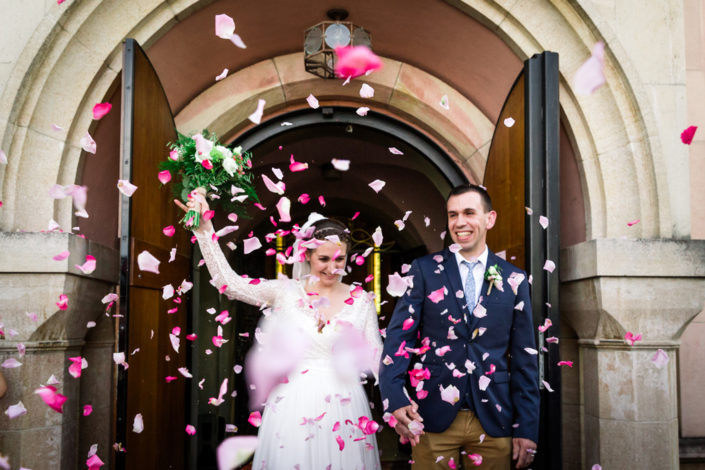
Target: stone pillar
[611, 287]
[31, 282]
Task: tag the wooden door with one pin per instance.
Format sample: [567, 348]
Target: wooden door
[145, 325]
[523, 172]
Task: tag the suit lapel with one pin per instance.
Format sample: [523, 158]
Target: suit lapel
[483, 292]
[450, 269]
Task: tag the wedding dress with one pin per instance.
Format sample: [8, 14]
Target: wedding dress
[313, 421]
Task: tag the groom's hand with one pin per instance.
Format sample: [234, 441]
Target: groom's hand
[404, 416]
[523, 451]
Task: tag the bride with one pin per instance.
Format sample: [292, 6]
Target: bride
[318, 416]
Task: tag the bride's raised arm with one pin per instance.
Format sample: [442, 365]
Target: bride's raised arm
[252, 291]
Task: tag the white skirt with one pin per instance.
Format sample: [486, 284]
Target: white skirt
[298, 423]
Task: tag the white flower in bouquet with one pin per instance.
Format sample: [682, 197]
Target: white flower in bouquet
[230, 165]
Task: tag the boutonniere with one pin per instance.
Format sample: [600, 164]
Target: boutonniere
[494, 276]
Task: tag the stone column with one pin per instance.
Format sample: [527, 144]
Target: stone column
[30, 285]
[648, 287]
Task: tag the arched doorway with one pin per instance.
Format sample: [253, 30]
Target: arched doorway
[418, 179]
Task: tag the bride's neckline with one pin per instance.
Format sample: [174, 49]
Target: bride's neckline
[307, 301]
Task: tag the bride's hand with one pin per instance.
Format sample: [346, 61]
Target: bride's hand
[197, 202]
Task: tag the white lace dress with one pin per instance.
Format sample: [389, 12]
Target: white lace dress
[307, 420]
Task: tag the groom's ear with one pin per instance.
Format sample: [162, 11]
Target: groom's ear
[491, 219]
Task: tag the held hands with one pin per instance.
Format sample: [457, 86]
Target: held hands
[197, 201]
[404, 416]
[523, 451]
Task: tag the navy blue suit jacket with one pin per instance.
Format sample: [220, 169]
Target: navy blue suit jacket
[509, 406]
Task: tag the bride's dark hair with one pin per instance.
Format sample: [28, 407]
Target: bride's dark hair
[329, 227]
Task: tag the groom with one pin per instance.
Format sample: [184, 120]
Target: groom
[466, 327]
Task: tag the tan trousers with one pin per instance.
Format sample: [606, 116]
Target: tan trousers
[462, 435]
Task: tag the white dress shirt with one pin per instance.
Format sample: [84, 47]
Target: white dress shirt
[478, 272]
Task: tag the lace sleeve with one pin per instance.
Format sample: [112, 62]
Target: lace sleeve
[255, 292]
[372, 336]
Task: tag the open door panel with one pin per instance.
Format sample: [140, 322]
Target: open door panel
[145, 325]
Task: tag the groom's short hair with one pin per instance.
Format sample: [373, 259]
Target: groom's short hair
[472, 188]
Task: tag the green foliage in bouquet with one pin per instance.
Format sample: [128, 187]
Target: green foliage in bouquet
[202, 162]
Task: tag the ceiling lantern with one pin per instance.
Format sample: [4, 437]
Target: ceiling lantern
[321, 40]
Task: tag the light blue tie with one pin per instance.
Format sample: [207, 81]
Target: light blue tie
[469, 286]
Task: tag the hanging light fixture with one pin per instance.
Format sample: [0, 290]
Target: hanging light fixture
[321, 40]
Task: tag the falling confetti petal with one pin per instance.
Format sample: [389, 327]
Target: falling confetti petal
[101, 109]
[395, 151]
[225, 28]
[138, 424]
[234, 451]
[362, 111]
[397, 285]
[547, 385]
[147, 262]
[51, 397]
[283, 207]
[509, 122]
[437, 295]
[89, 265]
[660, 359]
[444, 102]
[377, 185]
[688, 134]
[16, 410]
[312, 101]
[543, 221]
[126, 188]
[3, 158]
[590, 76]
[631, 338]
[633, 222]
[450, 394]
[256, 117]
[340, 165]
[88, 144]
[378, 237]
[251, 244]
[549, 266]
[255, 419]
[366, 91]
[61, 256]
[164, 176]
[354, 61]
[484, 381]
[222, 75]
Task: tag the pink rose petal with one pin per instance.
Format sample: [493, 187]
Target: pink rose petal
[660, 359]
[126, 188]
[633, 222]
[224, 26]
[277, 188]
[283, 207]
[255, 419]
[377, 185]
[190, 429]
[101, 109]
[341, 442]
[397, 285]
[88, 266]
[222, 75]
[63, 302]
[164, 176]
[251, 244]
[340, 165]
[362, 111]
[94, 463]
[543, 221]
[366, 91]
[234, 451]
[138, 424]
[437, 295]
[11, 363]
[61, 256]
[312, 101]
[88, 144]
[51, 397]
[147, 262]
[509, 122]
[483, 382]
[256, 117]
[395, 151]
[549, 266]
[444, 102]
[87, 410]
[304, 198]
[354, 61]
[547, 385]
[688, 134]
[590, 76]
[16, 410]
[169, 231]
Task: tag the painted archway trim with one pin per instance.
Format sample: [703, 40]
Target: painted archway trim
[401, 89]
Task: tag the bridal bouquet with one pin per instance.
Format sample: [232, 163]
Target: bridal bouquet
[201, 163]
